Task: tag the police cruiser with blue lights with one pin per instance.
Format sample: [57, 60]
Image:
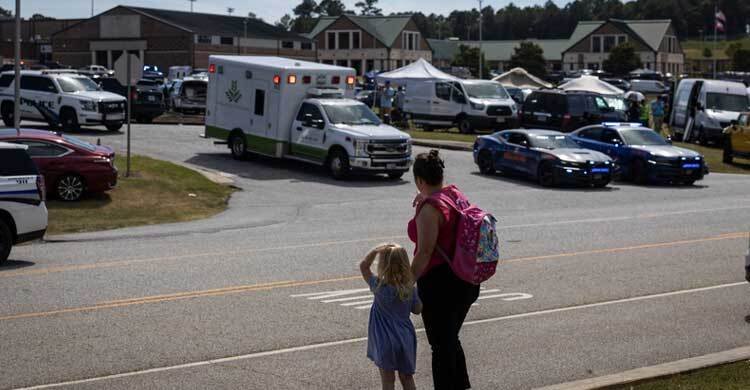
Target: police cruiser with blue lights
[643, 155]
[303, 111]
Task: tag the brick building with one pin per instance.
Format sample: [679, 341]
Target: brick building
[368, 43]
[36, 37]
[165, 38]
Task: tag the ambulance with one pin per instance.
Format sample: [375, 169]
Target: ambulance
[303, 111]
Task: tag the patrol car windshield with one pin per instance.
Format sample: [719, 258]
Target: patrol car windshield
[552, 142]
[642, 137]
[79, 142]
[350, 114]
[488, 90]
[726, 102]
[77, 84]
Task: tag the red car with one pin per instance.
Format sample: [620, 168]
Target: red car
[70, 166]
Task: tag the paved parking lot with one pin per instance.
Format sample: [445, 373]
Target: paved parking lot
[266, 295]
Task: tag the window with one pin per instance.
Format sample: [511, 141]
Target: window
[609, 43]
[287, 45]
[260, 102]
[621, 39]
[43, 149]
[331, 41]
[596, 44]
[594, 134]
[306, 45]
[344, 40]
[370, 65]
[743, 120]
[443, 91]
[5, 80]
[398, 63]
[518, 139]
[16, 162]
[355, 40]
[410, 42]
[39, 84]
[610, 136]
[227, 41]
[206, 39]
[309, 109]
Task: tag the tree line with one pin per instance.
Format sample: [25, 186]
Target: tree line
[690, 18]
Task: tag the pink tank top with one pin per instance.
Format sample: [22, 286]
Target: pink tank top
[447, 232]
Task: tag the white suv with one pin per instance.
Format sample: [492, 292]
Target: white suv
[61, 97]
[23, 214]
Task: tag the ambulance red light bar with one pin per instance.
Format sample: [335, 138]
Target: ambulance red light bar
[212, 68]
[276, 80]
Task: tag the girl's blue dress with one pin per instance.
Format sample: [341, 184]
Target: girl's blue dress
[392, 341]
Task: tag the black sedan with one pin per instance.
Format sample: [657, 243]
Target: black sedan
[147, 97]
[550, 157]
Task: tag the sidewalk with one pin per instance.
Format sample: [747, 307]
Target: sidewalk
[450, 145]
[657, 371]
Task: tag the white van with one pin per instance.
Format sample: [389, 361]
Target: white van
[468, 104]
[300, 110]
[703, 108]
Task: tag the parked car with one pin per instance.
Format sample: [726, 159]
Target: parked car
[643, 155]
[566, 110]
[619, 83]
[737, 139]
[550, 157]
[23, 213]
[366, 96]
[179, 72]
[96, 71]
[649, 87]
[519, 95]
[70, 166]
[12, 67]
[189, 95]
[152, 72]
[146, 95]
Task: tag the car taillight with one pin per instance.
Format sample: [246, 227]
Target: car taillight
[41, 188]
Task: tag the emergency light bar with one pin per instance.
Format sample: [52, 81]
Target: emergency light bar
[621, 124]
[325, 92]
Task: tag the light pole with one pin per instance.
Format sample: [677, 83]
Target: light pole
[17, 69]
[92, 8]
[191, 4]
[244, 22]
[480, 39]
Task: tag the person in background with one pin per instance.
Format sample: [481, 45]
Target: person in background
[398, 103]
[386, 100]
[657, 114]
[634, 111]
[645, 114]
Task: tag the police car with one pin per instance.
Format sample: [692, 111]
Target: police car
[23, 214]
[61, 97]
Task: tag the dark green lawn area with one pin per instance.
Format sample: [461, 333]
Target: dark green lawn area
[734, 376]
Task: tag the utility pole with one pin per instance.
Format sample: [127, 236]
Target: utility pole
[713, 53]
[244, 22]
[191, 4]
[92, 8]
[17, 69]
[480, 39]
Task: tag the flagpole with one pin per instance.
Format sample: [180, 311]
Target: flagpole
[716, 25]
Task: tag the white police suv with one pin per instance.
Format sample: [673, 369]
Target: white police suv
[61, 97]
[23, 214]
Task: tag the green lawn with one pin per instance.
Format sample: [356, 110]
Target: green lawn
[734, 376]
[157, 192]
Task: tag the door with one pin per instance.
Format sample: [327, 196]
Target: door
[612, 144]
[39, 94]
[590, 138]
[741, 135]
[259, 118]
[49, 159]
[518, 156]
[308, 133]
[442, 107]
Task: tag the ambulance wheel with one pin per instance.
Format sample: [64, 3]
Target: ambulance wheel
[7, 114]
[238, 146]
[69, 120]
[338, 164]
[395, 175]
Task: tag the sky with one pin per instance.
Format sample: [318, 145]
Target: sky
[269, 11]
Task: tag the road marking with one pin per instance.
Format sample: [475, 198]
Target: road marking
[309, 347]
[127, 262]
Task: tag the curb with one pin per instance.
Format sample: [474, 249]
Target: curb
[449, 145]
[657, 371]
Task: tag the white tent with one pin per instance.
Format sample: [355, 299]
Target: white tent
[419, 70]
[591, 84]
[520, 78]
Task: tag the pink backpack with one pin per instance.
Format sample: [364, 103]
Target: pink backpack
[476, 255]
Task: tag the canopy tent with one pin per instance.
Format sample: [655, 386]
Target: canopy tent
[591, 84]
[419, 70]
[520, 78]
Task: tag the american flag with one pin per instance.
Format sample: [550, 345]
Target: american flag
[721, 19]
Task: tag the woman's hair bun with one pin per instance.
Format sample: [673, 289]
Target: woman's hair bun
[434, 157]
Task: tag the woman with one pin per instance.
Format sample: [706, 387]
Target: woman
[446, 298]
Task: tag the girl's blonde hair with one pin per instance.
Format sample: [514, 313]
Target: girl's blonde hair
[394, 270]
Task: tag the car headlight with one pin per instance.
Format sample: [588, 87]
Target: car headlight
[360, 147]
[477, 106]
[574, 164]
[88, 105]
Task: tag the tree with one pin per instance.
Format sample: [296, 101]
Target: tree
[469, 57]
[368, 7]
[707, 52]
[40, 17]
[622, 60]
[5, 13]
[741, 60]
[306, 14]
[331, 8]
[285, 22]
[529, 56]
[732, 49]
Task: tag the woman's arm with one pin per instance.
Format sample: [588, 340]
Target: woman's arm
[428, 226]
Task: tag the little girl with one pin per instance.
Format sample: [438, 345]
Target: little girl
[392, 341]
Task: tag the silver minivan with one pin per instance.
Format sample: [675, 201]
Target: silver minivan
[703, 108]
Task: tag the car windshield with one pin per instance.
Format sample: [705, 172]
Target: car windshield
[77, 84]
[351, 114]
[552, 142]
[642, 137]
[488, 90]
[79, 142]
[726, 102]
[616, 103]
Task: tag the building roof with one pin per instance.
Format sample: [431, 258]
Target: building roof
[497, 50]
[650, 32]
[215, 24]
[384, 28]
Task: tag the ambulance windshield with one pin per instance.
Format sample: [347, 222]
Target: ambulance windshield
[351, 114]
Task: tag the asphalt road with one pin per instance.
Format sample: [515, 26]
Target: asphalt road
[266, 295]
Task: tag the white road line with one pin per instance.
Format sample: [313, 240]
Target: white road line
[329, 294]
[363, 307]
[370, 301]
[492, 290]
[508, 296]
[347, 298]
[356, 340]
